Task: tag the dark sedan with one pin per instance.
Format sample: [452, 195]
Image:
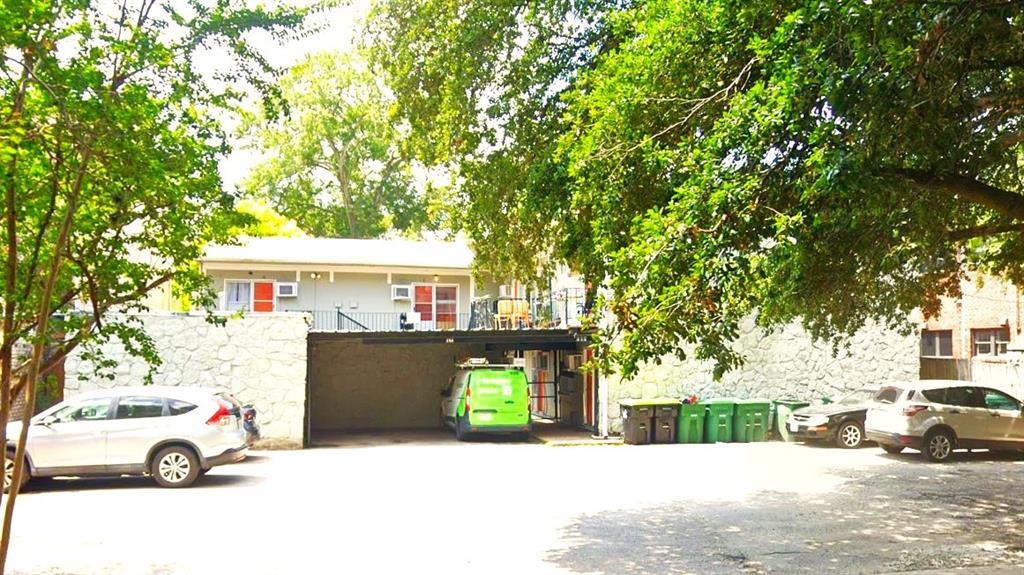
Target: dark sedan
[841, 422]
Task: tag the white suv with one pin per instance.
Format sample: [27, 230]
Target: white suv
[174, 434]
[938, 416]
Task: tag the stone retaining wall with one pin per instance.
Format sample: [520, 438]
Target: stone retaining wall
[260, 358]
[785, 364]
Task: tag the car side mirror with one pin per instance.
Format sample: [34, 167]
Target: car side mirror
[47, 421]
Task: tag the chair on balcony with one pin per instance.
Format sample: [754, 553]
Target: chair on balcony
[512, 313]
[408, 321]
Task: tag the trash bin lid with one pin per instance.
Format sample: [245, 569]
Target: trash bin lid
[720, 401]
[753, 402]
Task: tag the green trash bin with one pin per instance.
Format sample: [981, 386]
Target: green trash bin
[718, 420]
[783, 408]
[690, 425]
[750, 422]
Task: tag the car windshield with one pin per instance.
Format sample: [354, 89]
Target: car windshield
[858, 397]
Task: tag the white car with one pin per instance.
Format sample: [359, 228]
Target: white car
[938, 416]
[174, 434]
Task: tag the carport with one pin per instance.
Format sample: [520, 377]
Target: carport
[389, 381]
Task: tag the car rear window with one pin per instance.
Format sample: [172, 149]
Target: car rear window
[888, 394]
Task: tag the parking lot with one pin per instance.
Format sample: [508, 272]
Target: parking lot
[426, 504]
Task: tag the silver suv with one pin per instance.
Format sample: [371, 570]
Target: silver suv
[938, 416]
[174, 434]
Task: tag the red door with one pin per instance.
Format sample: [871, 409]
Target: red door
[589, 389]
[263, 296]
[424, 302]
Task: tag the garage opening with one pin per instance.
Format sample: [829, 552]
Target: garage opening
[377, 384]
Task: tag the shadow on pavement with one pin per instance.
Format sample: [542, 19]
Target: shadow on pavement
[48, 485]
[907, 517]
[361, 439]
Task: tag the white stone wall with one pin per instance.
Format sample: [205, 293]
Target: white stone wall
[261, 359]
[785, 364]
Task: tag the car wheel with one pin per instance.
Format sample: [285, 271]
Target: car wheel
[850, 435]
[9, 473]
[893, 449]
[175, 467]
[938, 445]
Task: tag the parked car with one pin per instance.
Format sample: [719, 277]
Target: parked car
[939, 416]
[174, 434]
[486, 398]
[841, 422]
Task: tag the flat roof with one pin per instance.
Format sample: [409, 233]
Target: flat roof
[342, 252]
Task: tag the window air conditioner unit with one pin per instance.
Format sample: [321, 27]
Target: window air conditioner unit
[401, 292]
[286, 289]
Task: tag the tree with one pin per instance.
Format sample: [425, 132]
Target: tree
[108, 167]
[482, 87]
[334, 165]
[835, 162]
[266, 222]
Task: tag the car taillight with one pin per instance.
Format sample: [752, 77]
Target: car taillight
[223, 414]
[912, 410]
[468, 390]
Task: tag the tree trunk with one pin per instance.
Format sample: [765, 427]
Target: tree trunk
[345, 185]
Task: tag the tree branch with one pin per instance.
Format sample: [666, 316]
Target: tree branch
[1005, 202]
[984, 231]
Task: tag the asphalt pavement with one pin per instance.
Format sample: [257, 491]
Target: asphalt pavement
[423, 503]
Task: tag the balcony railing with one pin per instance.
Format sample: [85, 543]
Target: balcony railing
[564, 310]
[339, 320]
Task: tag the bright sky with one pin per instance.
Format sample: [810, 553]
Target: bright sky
[338, 30]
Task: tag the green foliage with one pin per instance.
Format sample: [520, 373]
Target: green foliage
[834, 162]
[266, 222]
[334, 164]
[109, 143]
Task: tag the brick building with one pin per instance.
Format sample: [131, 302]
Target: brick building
[980, 324]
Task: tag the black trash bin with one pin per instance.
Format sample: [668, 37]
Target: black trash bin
[637, 419]
[666, 414]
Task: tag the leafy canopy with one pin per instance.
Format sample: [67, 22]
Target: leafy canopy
[831, 161]
[109, 143]
[335, 164]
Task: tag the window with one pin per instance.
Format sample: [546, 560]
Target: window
[888, 394]
[86, 410]
[137, 407]
[937, 343]
[999, 400]
[935, 395]
[964, 397]
[990, 341]
[177, 407]
[447, 306]
[238, 295]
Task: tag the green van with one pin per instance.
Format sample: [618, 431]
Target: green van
[483, 398]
